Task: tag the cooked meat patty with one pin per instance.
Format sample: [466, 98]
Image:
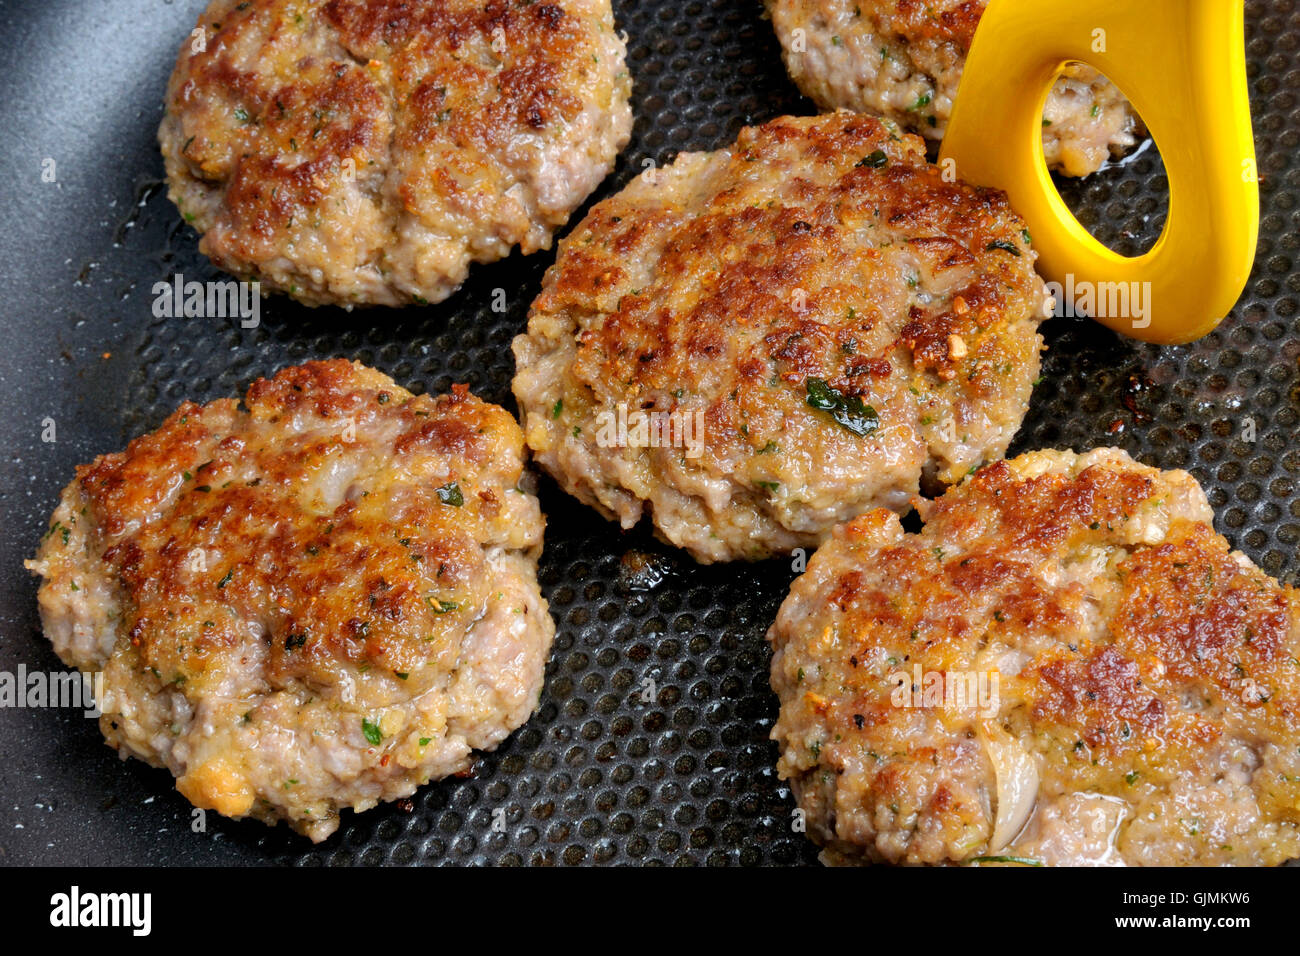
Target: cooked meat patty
[322, 601]
[1131, 689]
[367, 151]
[903, 59]
[769, 339]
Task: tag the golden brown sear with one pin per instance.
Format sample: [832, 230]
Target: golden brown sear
[754, 344]
[1067, 665]
[319, 599]
[367, 151]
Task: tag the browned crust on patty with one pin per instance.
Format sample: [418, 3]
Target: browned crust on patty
[278, 551]
[946, 21]
[366, 150]
[814, 248]
[1136, 653]
[317, 598]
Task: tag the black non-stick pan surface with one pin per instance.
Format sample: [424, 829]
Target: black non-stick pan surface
[600, 774]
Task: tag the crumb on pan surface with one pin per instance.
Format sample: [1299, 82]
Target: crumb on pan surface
[319, 598]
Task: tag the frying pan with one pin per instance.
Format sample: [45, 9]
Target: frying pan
[650, 745]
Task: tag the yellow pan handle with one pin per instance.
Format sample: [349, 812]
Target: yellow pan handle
[1182, 64]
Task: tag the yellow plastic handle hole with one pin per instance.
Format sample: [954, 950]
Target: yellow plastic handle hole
[1182, 63]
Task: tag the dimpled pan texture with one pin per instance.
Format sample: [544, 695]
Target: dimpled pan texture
[650, 744]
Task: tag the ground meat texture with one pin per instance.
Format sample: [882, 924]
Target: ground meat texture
[818, 261]
[1147, 710]
[367, 151]
[320, 601]
[903, 59]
